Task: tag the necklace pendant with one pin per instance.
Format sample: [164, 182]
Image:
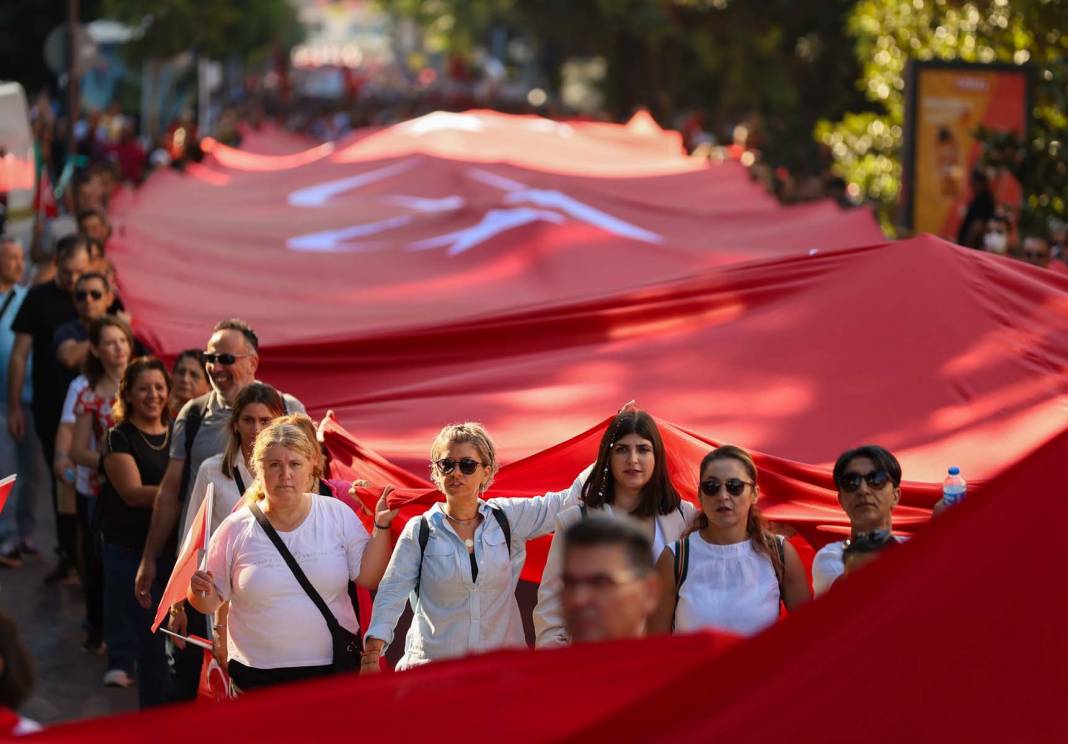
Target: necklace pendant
[469, 543]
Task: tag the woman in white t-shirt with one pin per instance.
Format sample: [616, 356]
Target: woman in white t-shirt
[730, 572]
[630, 477]
[275, 633]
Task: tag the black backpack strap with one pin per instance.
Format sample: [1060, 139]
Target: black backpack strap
[239, 482]
[298, 572]
[424, 537]
[197, 412]
[682, 567]
[502, 520]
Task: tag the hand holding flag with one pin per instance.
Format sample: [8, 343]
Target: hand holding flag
[188, 559]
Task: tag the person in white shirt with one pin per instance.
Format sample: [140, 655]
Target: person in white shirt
[868, 480]
[730, 573]
[630, 478]
[459, 564]
[275, 632]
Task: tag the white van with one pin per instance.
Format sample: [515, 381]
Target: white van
[17, 163]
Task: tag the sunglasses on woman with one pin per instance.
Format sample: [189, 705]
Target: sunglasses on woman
[734, 486]
[466, 465]
[224, 359]
[850, 482]
[84, 294]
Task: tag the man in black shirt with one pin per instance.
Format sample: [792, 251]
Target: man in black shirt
[46, 307]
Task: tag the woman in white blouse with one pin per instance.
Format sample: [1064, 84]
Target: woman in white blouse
[629, 478]
[275, 632]
[730, 572]
[230, 472]
[459, 564]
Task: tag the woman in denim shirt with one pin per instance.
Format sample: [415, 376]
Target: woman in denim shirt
[461, 576]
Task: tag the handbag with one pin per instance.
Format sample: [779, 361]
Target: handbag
[347, 645]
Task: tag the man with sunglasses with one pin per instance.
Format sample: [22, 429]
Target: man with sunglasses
[92, 298]
[46, 307]
[200, 431]
[868, 480]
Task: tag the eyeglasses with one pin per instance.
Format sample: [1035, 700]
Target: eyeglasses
[850, 481]
[224, 359]
[466, 465]
[734, 486]
[83, 294]
[600, 582]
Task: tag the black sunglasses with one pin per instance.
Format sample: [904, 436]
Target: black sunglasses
[224, 359]
[466, 464]
[734, 486]
[850, 481]
[83, 294]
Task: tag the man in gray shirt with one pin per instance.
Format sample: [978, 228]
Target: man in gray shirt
[231, 360]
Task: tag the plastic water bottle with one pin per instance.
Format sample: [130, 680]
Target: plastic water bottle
[954, 487]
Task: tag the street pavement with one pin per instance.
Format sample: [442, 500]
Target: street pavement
[49, 618]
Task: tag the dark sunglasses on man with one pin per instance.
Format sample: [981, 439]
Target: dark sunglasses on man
[850, 482]
[84, 294]
[466, 464]
[224, 359]
[734, 486]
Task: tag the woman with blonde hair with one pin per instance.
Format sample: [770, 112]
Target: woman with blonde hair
[729, 572]
[285, 561]
[459, 564]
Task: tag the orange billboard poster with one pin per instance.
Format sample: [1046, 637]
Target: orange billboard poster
[947, 103]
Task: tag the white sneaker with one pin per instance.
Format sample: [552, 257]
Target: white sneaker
[117, 678]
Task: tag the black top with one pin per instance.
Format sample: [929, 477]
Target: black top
[45, 308]
[121, 523]
[981, 208]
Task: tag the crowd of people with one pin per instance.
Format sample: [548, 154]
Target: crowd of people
[990, 226]
[135, 446]
[128, 448]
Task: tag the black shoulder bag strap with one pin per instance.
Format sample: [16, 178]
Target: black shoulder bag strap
[239, 482]
[7, 302]
[780, 543]
[584, 511]
[347, 645]
[682, 567]
[192, 425]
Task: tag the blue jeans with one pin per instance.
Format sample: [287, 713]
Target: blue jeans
[132, 646]
[25, 458]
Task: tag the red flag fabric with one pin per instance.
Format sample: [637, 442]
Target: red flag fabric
[799, 496]
[7, 485]
[187, 563]
[942, 639]
[442, 218]
[214, 686]
[801, 357]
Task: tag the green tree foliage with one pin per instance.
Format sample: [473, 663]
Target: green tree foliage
[784, 62]
[247, 29]
[888, 33]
